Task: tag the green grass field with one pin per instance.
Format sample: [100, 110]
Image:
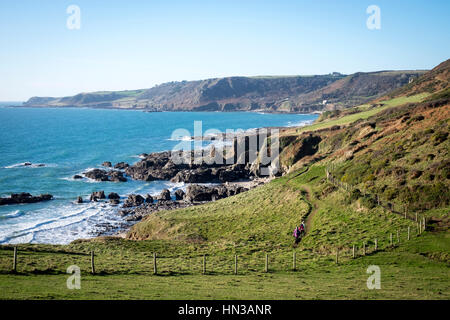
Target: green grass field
[363, 112]
[249, 225]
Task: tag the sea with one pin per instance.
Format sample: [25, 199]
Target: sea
[62, 142]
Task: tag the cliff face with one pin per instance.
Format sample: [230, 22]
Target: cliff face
[270, 94]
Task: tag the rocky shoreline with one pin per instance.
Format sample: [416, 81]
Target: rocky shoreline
[230, 171]
[227, 171]
[136, 207]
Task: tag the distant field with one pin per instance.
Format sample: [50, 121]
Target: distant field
[365, 113]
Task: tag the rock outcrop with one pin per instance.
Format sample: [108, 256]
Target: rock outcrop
[179, 194]
[133, 200]
[199, 193]
[160, 166]
[121, 165]
[164, 195]
[107, 164]
[103, 175]
[114, 196]
[23, 197]
[97, 195]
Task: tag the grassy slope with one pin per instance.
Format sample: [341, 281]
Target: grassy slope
[251, 224]
[363, 112]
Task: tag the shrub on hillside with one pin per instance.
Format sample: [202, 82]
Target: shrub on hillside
[368, 202]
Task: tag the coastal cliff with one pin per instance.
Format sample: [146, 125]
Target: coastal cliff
[288, 94]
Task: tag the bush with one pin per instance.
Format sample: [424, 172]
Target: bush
[368, 202]
[439, 137]
[355, 195]
[369, 177]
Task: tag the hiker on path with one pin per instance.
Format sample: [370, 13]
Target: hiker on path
[303, 227]
[297, 235]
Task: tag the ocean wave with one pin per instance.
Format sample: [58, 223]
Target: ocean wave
[183, 138]
[74, 224]
[300, 124]
[81, 174]
[14, 214]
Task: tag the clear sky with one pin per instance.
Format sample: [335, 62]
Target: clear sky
[136, 44]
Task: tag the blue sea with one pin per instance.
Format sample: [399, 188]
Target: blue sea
[71, 141]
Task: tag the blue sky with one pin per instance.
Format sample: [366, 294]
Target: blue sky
[137, 44]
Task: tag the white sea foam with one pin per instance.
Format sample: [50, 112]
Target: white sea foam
[14, 214]
[300, 124]
[183, 138]
[62, 225]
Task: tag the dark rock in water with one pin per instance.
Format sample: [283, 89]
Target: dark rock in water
[97, 195]
[114, 201]
[27, 164]
[97, 174]
[133, 200]
[114, 196]
[24, 197]
[149, 199]
[179, 194]
[76, 177]
[79, 200]
[102, 175]
[164, 195]
[143, 155]
[155, 166]
[121, 165]
[116, 176]
[107, 164]
[40, 165]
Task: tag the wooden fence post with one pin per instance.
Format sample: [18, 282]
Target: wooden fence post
[376, 244]
[337, 255]
[409, 232]
[235, 264]
[155, 268]
[424, 223]
[364, 248]
[266, 268]
[204, 264]
[417, 217]
[15, 260]
[92, 262]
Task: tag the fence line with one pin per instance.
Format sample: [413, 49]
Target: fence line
[390, 206]
[283, 262]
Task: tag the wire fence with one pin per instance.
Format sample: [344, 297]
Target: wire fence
[152, 263]
[400, 209]
[28, 261]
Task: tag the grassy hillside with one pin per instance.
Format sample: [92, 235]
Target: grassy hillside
[352, 176]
